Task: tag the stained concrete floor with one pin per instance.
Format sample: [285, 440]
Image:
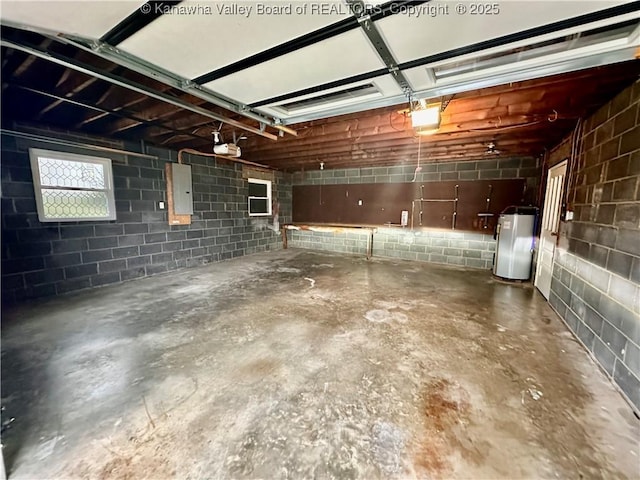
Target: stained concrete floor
[297, 364]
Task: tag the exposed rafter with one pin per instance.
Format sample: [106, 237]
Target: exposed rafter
[106, 76]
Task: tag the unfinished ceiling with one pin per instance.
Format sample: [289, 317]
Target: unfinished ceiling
[337, 74]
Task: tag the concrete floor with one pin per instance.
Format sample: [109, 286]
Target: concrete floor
[296, 364]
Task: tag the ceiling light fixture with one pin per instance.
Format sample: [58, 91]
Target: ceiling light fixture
[425, 117]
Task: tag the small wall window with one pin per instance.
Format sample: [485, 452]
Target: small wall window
[72, 187]
[259, 197]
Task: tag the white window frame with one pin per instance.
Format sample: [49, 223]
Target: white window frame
[36, 153]
[268, 198]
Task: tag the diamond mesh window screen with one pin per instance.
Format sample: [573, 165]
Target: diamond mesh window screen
[72, 187]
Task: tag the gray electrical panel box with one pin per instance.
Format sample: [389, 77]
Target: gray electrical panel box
[182, 189]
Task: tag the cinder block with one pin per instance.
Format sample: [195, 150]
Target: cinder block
[509, 163]
[607, 236]
[188, 244]
[627, 215]
[489, 174]
[449, 176]
[635, 270]
[181, 254]
[604, 355]
[133, 228]
[155, 237]
[130, 240]
[25, 205]
[591, 296]
[487, 165]
[14, 281]
[129, 217]
[578, 306]
[26, 250]
[123, 252]
[126, 194]
[423, 257]
[171, 246]
[138, 261]
[66, 286]
[572, 320]
[528, 172]
[620, 263]
[557, 304]
[454, 243]
[105, 279]
[81, 270]
[598, 255]
[624, 292]
[92, 256]
[455, 260]
[608, 150]
[76, 231]
[155, 269]
[465, 166]
[18, 190]
[475, 263]
[627, 241]
[436, 258]
[632, 358]
[614, 339]
[43, 276]
[446, 167]
[624, 190]
[509, 173]
[628, 382]
[586, 335]
[630, 140]
[68, 246]
[151, 173]
[125, 171]
[623, 319]
[593, 319]
[469, 175]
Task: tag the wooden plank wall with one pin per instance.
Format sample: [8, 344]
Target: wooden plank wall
[382, 203]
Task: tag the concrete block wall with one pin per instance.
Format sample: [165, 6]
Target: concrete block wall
[603, 311]
[596, 282]
[468, 249]
[487, 169]
[42, 259]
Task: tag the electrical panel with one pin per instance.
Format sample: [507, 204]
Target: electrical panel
[182, 189]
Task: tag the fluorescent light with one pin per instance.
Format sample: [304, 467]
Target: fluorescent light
[426, 119]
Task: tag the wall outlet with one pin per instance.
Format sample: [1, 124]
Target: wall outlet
[161, 205]
[568, 216]
[359, 202]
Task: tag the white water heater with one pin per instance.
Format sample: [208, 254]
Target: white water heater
[515, 242]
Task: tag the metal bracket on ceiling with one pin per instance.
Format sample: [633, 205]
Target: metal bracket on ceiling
[359, 9]
[446, 101]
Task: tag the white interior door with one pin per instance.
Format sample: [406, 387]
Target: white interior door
[550, 224]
